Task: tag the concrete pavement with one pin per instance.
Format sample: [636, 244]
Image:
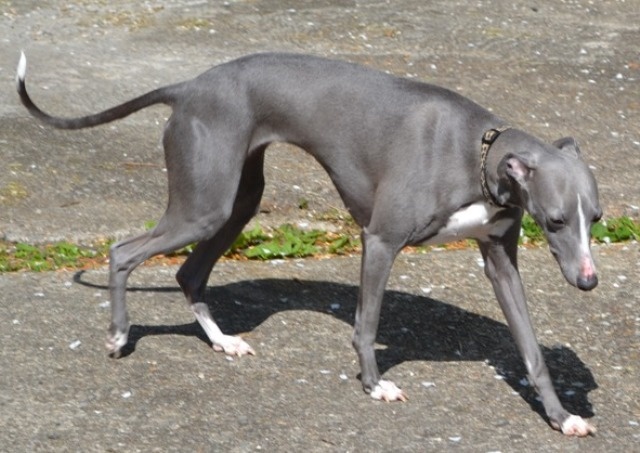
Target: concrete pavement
[553, 68]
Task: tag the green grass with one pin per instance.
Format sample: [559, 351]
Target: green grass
[286, 241]
[618, 229]
[21, 256]
[531, 233]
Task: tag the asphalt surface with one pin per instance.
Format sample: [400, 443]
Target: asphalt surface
[552, 68]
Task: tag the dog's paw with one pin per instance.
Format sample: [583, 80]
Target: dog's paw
[115, 342]
[575, 426]
[233, 346]
[387, 391]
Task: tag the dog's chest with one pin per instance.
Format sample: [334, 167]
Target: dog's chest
[476, 221]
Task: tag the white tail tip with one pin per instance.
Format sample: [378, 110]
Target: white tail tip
[22, 68]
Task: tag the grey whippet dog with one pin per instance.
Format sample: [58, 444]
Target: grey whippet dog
[411, 162]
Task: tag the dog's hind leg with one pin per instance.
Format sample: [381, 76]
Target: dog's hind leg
[195, 271]
[204, 174]
[124, 257]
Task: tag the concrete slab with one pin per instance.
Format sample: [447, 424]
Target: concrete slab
[553, 68]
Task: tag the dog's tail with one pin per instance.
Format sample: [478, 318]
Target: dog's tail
[161, 95]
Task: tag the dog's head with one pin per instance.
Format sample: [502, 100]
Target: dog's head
[558, 189]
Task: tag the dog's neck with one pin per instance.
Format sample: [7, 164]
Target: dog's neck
[500, 187]
[488, 138]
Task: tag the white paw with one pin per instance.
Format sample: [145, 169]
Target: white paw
[387, 391]
[577, 426]
[233, 346]
[115, 342]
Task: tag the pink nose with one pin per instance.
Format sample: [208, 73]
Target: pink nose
[587, 280]
[587, 269]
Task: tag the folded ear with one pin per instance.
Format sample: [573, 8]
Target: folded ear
[567, 144]
[517, 167]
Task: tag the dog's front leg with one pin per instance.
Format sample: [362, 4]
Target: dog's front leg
[377, 259]
[501, 268]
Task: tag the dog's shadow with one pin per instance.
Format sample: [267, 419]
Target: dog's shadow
[412, 327]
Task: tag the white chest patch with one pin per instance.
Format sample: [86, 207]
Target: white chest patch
[470, 222]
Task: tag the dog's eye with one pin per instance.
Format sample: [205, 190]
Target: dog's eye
[555, 223]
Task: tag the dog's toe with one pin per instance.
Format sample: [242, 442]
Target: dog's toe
[233, 346]
[387, 391]
[115, 342]
[576, 426]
